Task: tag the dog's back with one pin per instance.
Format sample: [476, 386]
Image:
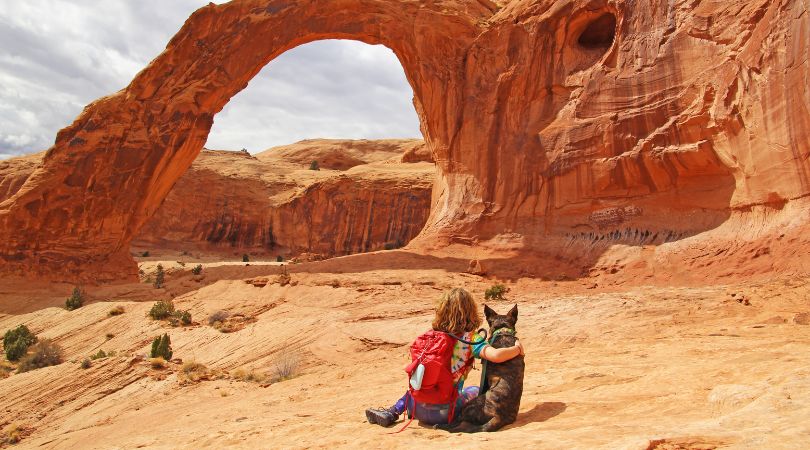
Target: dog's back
[499, 405]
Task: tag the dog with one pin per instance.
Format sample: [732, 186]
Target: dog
[499, 405]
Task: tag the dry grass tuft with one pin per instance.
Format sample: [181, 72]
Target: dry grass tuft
[13, 434]
[194, 372]
[6, 368]
[249, 376]
[158, 363]
[285, 367]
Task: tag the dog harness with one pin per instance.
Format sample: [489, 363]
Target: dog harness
[484, 387]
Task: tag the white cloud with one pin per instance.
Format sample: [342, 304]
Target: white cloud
[59, 55]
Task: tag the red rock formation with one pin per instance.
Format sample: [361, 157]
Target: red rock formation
[547, 122]
[272, 204]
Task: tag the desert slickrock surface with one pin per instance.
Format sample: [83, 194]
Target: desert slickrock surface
[636, 173]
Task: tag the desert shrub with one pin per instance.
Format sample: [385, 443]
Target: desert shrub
[43, 354]
[245, 258]
[17, 341]
[162, 309]
[102, 354]
[218, 316]
[249, 376]
[109, 336]
[495, 292]
[145, 254]
[86, 363]
[285, 367]
[314, 165]
[195, 371]
[160, 277]
[197, 269]
[13, 434]
[162, 347]
[157, 363]
[76, 299]
[185, 317]
[117, 311]
[279, 258]
[5, 369]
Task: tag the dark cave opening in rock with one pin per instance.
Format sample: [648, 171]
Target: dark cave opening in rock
[600, 33]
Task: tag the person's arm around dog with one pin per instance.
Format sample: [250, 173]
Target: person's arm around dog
[499, 355]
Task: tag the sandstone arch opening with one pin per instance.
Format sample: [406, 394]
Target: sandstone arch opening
[342, 107]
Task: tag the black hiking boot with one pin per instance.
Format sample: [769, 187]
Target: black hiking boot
[382, 416]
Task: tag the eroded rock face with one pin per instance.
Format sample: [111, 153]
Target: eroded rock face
[272, 204]
[551, 121]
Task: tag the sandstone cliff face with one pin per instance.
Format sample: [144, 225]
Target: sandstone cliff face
[231, 202]
[364, 198]
[636, 122]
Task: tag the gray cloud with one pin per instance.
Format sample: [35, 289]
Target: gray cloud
[59, 55]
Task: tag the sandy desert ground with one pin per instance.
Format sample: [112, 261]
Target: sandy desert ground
[638, 367]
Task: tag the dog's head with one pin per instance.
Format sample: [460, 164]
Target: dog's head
[497, 321]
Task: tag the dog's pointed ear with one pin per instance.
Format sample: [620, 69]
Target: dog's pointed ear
[513, 315]
[489, 313]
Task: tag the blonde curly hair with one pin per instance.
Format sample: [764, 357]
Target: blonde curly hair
[456, 313]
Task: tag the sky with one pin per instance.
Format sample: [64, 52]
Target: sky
[57, 56]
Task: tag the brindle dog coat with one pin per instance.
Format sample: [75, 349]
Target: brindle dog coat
[499, 405]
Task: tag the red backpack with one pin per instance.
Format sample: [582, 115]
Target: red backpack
[433, 350]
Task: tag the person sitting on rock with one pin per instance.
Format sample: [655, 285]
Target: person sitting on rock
[457, 316]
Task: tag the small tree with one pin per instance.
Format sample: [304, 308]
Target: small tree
[197, 269]
[160, 276]
[17, 341]
[76, 299]
[495, 292]
[162, 347]
[314, 166]
[245, 258]
[279, 258]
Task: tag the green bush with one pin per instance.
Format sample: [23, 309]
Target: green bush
[279, 258]
[76, 300]
[197, 269]
[160, 276]
[86, 363]
[162, 309]
[162, 347]
[314, 165]
[245, 258]
[185, 317]
[43, 354]
[17, 341]
[145, 254]
[102, 354]
[495, 292]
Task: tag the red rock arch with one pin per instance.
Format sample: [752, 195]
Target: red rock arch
[686, 115]
[110, 170]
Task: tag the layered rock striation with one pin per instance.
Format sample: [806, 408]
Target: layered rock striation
[551, 121]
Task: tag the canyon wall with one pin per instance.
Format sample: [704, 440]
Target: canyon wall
[367, 195]
[640, 123]
[363, 198]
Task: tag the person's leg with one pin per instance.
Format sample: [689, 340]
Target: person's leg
[387, 416]
[466, 396]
